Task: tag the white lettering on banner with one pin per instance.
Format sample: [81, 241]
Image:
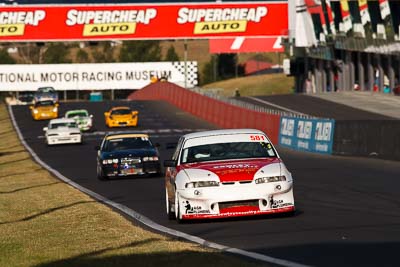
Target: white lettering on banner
[145, 75]
[303, 144]
[286, 141]
[304, 129]
[287, 127]
[220, 14]
[323, 131]
[102, 76]
[22, 17]
[75, 17]
[321, 147]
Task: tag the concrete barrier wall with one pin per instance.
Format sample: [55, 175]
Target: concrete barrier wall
[368, 138]
[217, 112]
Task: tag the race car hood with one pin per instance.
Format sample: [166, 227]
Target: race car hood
[233, 171]
[121, 117]
[45, 109]
[129, 153]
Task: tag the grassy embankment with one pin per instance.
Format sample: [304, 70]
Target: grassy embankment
[266, 84]
[45, 222]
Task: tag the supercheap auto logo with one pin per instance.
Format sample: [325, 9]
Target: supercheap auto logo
[220, 20]
[12, 23]
[109, 22]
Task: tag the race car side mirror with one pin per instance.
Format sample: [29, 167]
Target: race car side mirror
[91, 116]
[169, 163]
[45, 129]
[30, 107]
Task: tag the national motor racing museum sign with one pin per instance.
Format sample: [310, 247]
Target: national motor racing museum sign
[147, 21]
[100, 76]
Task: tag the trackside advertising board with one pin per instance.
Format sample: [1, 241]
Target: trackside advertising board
[142, 21]
[312, 135]
[101, 76]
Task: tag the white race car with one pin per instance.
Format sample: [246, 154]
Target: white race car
[62, 131]
[226, 173]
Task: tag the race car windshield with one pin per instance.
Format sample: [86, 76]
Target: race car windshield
[121, 112]
[77, 114]
[63, 124]
[227, 151]
[127, 143]
[44, 103]
[46, 90]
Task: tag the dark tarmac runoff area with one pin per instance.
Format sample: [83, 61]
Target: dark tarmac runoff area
[334, 105]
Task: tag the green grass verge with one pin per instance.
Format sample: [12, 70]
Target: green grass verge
[45, 222]
[266, 84]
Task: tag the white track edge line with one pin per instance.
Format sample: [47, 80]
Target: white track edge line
[277, 106]
[146, 221]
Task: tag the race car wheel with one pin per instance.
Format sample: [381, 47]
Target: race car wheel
[170, 213]
[178, 215]
[100, 175]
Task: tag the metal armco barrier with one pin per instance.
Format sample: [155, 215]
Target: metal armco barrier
[212, 110]
[368, 138]
[312, 135]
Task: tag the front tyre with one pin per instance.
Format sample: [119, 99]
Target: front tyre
[178, 214]
[100, 175]
[170, 212]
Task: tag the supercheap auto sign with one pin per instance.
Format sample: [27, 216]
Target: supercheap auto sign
[150, 21]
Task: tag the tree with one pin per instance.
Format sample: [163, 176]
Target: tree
[227, 65]
[5, 58]
[140, 51]
[171, 54]
[209, 73]
[103, 53]
[56, 53]
[82, 56]
[30, 53]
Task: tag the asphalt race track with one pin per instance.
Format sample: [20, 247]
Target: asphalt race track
[348, 208]
[315, 106]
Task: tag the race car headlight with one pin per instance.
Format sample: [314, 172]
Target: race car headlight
[201, 184]
[35, 111]
[150, 158]
[270, 179]
[55, 109]
[110, 161]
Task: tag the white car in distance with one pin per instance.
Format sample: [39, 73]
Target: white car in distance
[62, 131]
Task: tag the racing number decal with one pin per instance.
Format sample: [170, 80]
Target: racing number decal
[257, 137]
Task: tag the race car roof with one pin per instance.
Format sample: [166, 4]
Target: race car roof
[120, 107]
[125, 135]
[62, 120]
[225, 136]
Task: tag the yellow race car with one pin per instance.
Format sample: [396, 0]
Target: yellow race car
[121, 117]
[44, 110]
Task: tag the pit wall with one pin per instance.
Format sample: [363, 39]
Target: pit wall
[214, 111]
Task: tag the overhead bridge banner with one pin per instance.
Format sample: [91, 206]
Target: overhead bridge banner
[142, 21]
[102, 76]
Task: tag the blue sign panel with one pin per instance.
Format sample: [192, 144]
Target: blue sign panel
[312, 135]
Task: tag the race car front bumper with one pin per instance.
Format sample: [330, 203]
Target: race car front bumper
[58, 140]
[142, 168]
[123, 123]
[236, 200]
